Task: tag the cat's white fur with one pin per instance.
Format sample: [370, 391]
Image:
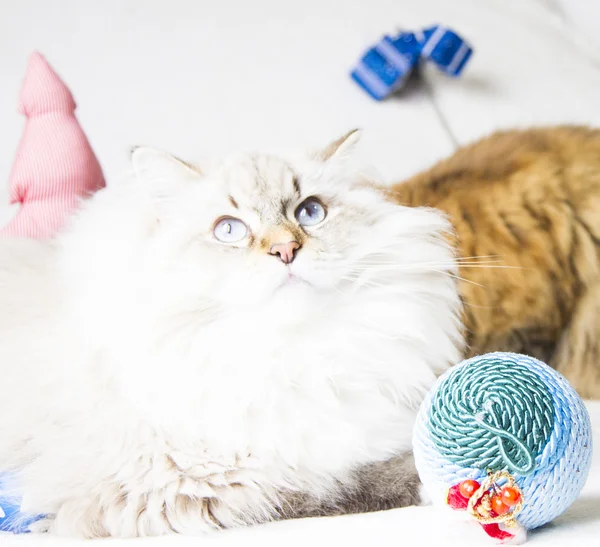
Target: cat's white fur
[153, 379]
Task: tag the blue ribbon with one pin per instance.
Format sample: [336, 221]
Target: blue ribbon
[385, 67]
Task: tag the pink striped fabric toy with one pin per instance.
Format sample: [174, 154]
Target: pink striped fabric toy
[55, 166]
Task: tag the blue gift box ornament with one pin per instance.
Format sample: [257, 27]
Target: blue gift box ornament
[385, 67]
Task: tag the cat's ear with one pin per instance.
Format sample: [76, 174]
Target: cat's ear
[340, 147]
[157, 167]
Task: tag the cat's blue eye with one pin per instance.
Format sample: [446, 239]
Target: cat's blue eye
[230, 230]
[310, 212]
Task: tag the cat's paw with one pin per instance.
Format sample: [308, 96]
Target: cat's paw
[174, 508]
[120, 516]
[169, 494]
[41, 526]
[154, 514]
[79, 518]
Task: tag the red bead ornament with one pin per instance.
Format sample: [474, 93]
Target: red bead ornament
[510, 496]
[455, 499]
[468, 488]
[494, 531]
[498, 505]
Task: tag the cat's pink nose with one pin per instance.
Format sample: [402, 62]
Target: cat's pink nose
[286, 251]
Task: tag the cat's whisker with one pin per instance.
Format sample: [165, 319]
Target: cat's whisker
[474, 257]
[466, 304]
[402, 267]
[459, 278]
[407, 267]
[496, 267]
[361, 281]
[389, 285]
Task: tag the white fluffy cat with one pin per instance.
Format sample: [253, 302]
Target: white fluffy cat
[200, 348]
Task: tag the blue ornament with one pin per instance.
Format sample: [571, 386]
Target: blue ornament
[385, 67]
[506, 421]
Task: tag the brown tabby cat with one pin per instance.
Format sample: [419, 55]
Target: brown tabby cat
[526, 210]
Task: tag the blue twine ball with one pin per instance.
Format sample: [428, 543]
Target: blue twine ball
[506, 412]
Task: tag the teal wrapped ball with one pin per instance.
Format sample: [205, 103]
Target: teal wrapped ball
[506, 412]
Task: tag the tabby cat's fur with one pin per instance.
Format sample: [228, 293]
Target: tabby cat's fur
[528, 201]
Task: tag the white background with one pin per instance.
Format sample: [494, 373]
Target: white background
[203, 78]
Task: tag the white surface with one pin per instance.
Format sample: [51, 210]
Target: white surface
[532, 66]
[205, 77]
